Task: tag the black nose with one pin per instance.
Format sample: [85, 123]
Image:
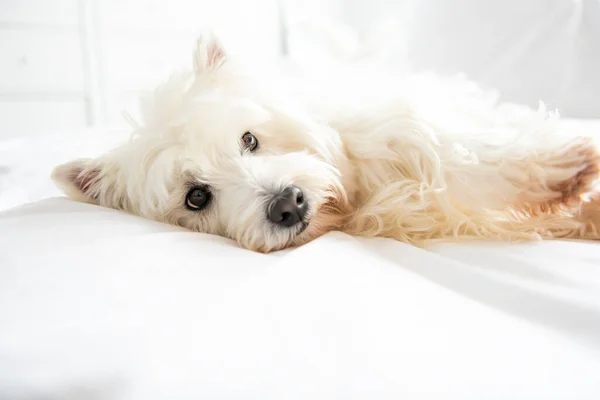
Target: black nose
[288, 207]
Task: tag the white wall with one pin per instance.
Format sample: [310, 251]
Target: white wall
[529, 50]
[67, 64]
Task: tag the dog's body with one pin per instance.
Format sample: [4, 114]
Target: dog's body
[220, 153]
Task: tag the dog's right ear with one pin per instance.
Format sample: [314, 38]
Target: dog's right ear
[209, 54]
[78, 179]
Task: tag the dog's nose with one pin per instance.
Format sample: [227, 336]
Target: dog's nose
[288, 207]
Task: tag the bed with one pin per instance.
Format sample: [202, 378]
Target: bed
[98, 304]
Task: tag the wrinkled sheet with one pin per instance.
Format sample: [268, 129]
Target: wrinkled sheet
[96, 303]
[27, 161]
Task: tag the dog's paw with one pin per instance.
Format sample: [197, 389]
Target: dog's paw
[585, 157]
[589, 214]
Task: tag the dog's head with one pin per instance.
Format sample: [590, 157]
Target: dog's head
[218, 152]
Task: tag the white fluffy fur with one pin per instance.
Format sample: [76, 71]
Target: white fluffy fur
[412, 158]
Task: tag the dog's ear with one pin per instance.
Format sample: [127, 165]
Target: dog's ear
[209, 54]
[78, 179]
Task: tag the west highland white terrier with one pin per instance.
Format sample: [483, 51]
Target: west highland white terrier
[222, 152]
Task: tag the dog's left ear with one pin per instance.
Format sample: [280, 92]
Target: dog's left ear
[209, 54]
[78, 179]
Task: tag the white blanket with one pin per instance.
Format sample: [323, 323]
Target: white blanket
[26, 161]
[99, 304]
[96, 303]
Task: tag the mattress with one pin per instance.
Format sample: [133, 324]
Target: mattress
[96, 303]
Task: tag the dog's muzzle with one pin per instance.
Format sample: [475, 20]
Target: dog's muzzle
[288, 208]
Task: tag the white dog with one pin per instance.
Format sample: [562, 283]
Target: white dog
[224, 153]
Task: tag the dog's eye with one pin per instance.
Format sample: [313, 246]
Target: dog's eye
[198, 198]
[249, 142]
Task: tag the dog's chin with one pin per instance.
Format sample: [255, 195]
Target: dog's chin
[329, 217]
[283, 237]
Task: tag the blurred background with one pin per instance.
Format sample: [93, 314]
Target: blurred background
[76, 64]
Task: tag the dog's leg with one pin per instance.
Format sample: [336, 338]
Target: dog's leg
[555, 177]
[551, 181]
[518, 180]
[547, 181]
[512, 190]
[589, 213]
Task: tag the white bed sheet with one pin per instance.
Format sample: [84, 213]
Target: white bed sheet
[27, 161]
[99, 304]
